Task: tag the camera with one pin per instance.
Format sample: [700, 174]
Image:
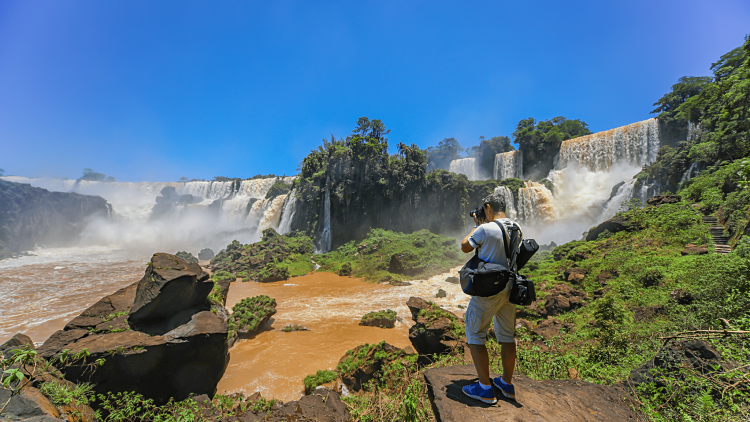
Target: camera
[478, 212]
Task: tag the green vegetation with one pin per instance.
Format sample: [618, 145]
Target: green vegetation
[215, 297]
[379, 315]
[440, 157]
[278, 188]
[250, 313]
[436, 312]
[540, 141]
[275, 257]
[91, 175]
[401, 256]
[187, 256]
[321, 377]
[487, 149]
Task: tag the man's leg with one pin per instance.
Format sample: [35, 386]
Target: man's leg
[508, 355]
[482, 362]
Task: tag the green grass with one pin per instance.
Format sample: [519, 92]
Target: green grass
[321, 377]
[424, 254]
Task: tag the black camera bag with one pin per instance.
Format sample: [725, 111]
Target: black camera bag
[479, 278]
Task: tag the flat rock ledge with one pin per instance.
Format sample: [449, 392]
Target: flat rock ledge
[549, 400]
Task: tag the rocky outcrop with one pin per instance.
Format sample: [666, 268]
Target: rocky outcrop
[168, 199]
[169, 294]
[321, 405]
[563, 298]
[259, 261]
[187, 256]
[382, 319]
[188, 358]
[691, 249]
[575, 275]
[548, 400]
[31, 216]
[550, 328]
[663, 199]
[436, 331]
[361, 364]
[613, 225]
[695, 354]
[17, 342]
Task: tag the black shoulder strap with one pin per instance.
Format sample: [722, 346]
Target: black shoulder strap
[506, 244]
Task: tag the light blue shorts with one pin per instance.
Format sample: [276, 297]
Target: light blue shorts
[479, 315]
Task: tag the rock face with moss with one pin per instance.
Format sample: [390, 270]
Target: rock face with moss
[182, 351]
[361, 364]
[276, 257]
[386, 255]
[249, 315]
[436, 331]
[382, 319]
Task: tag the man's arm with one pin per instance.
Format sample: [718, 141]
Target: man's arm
[465, 245]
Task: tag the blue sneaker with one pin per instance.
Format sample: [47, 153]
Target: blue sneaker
[508, 390]
[475, 391]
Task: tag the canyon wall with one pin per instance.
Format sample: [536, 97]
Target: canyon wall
[32, 216]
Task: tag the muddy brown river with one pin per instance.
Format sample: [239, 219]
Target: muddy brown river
[40, 294]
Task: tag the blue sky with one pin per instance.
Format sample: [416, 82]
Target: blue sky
[156, 90]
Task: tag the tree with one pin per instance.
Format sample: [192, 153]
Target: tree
[686, 87]
[441, 156]
[368, 141]
[488, 149]
[2, 172]
[540, 141]
[183, 179]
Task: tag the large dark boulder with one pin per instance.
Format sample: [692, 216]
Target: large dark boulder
[206, 254]
[169, 294]
[17, 342]
[31, 216]
[189, 358]
[436, 331]
[613, 225]
[406, 263]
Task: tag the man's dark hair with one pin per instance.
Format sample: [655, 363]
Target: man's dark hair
[496, 201]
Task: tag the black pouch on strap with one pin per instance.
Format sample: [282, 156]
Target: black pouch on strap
[483, 279]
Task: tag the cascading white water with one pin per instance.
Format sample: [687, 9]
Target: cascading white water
[324, 238]
[509, 164]
[241, 207]
[510, 206]
[287, 212]
[467, 166]
[623, 194]
[635, 144]
[535, 203]
[691, 172]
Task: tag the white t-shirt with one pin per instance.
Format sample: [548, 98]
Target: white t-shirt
[489, 242]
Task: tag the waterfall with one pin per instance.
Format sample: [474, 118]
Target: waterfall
[217, 207]
[510, 206]
[508, 164]
[623, 194]
[689, 174]
[467, 166]
[324, 237]
[271, 213]
[635, 144]
[287, 213]
[535, 203]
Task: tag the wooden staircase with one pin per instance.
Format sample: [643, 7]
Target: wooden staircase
[717, 234]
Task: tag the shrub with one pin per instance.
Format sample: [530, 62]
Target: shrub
[321, 377]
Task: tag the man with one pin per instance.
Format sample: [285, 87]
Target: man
[489, 241]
